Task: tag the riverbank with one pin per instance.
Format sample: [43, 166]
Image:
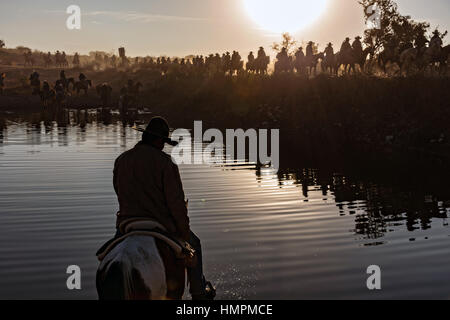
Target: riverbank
[385, 115]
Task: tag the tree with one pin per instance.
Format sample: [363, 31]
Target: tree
[2, 44]
[392, 27]
[287, 42]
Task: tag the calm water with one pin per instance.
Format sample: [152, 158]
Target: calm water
[300, 234]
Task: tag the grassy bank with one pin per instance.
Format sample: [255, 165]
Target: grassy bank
[378, 113]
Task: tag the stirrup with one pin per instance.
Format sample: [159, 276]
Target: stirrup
[210, 291]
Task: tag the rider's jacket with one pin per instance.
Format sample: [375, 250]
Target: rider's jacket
[148, 185]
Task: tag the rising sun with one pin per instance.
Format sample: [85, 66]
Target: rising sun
[285, 15]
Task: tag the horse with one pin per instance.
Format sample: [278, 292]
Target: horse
[250, 66]
[35, 83]
[65, 82]
[329, 63]
[47, 61]
[360, 58]
[2, 83]
[84, 85]
[445, 55]
[141, 265]
[237, 65]
[261, 64]
[104, 91]
[311, 62]
[389, 55]
[133, 93]
[284, 62]
[48, 95]
[435, 55]
[29, 60]
[299, 63]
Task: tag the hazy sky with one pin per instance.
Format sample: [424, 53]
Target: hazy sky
[179, 27]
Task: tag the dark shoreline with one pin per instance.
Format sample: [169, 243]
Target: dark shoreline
[380, 116]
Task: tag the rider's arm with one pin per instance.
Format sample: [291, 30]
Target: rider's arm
[173, 191]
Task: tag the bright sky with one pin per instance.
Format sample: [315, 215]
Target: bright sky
[180, 27]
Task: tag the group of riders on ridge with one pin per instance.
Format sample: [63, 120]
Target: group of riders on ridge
[404, 54]
[60, 59]
[350, 55]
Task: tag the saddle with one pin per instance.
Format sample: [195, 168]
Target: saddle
[151, 228]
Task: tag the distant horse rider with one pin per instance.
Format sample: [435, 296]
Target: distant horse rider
[82, 77]
[357, 45]
[261, 53]
[2, 82]
[434, 51]
[346, 46]
[310, 49]
[421, 41]
[282, 56]
[299, 60]
[226, 62]
[329, 51]
[251, 57]
[58, 58]
[436, 40]
[251, 61]
[63, 80]
[148, 186]
[35, 83]
[76, 59]
[113, 61]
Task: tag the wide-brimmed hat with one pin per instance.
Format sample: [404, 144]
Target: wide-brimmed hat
[159, 128]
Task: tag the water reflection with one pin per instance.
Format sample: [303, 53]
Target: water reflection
[377, 207]
[293, 233]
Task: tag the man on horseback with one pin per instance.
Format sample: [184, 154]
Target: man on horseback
[420, 41]
[329, 51]
[262, 60]
[76, 59]
[261, 53]
[299, 60]
[35, 83]
[148, 186]
[251, 62]
[310, 49]
[2, 82]
[226, 62]
[48, 59]
[236, 63]
[58, 59]
[436, 40]
[346, 46]
[282, 63]
[357, 45]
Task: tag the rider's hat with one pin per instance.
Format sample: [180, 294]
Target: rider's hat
[158, 128]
